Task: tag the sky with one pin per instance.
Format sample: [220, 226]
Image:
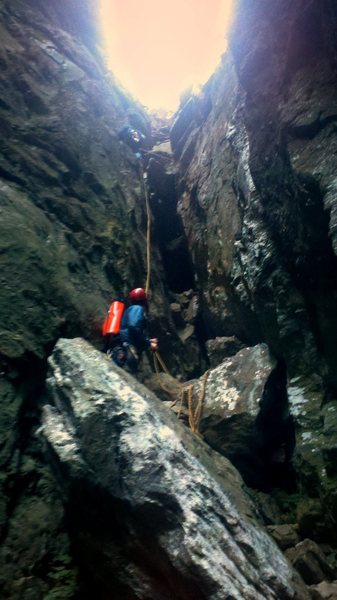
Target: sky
[158, 48]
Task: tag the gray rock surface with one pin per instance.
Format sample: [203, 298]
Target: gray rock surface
[324, 591]
[284, 535]
[221, 347]
[245, 415]
[236, 386]
[257, 198]
[72, 230]
[163, 515]
[310, 562]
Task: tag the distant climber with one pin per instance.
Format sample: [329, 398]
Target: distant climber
[126, 347]
[134, 138]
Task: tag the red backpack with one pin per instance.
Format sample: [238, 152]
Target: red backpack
[112, 322]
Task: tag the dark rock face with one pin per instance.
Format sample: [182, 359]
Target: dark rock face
[257, 188]
[168, 227]
[250, 257]
[72, 230]
[63, 253]
[311, 563]
[221, 347]
[163, 517]
[290, 118]
[324, 591]
[64, 195]
[284, 535]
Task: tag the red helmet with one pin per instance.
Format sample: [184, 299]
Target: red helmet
[138, 296]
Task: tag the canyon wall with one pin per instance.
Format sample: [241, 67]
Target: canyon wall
[73, 235]
[257, 154]
[249, 258]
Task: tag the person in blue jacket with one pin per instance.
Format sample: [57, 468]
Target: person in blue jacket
[133, 337]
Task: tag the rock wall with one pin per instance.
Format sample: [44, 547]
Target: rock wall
[163, 517]
[253, 241]
[257, 190]
[72, 230]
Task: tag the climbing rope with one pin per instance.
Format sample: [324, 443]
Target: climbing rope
[148, 234]
[158, 361]
[193, 415]
[198, 411]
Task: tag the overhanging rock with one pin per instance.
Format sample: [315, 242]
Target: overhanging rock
[155, 514]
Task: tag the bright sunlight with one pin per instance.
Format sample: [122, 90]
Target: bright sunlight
[158, 49]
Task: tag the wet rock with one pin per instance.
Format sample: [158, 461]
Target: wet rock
[258, 203]
[169, 233]
[330, 419]
[267, 507]
[310, 562]
[222, 347]
[284, 535]
[183, 123]
[165, 387]
[35, 554]
[313, 521]
[63, 187]
[245, 415]
[193, 310]
[324, 591]
[236, 386]
[257, 198]
[168, 517]
[177, 315]
[72, 229]
[161, 174]
[186, 333]
[186, 314]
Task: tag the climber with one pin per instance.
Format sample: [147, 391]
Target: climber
[134, 138]
[132, 336]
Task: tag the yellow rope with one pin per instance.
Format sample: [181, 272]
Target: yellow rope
[193, 416]
[156, 367]
[198, 410]
[190, 407]
[182, 395]
[148, 238]
[157, 360]
[161, 362]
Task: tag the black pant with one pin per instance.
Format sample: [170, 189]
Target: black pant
[125, 355]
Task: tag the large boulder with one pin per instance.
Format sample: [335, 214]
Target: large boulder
[153, 512]
[245, 415]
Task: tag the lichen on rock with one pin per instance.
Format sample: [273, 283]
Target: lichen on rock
[169, 516]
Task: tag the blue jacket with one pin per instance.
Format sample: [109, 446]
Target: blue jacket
[133, 327]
